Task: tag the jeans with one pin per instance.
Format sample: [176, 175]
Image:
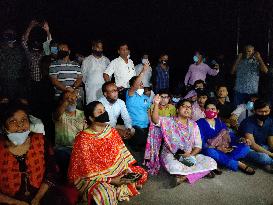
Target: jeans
[259, 157]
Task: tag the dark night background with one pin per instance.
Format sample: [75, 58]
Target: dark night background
[155, 26]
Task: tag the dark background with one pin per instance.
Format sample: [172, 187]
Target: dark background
[154, 26]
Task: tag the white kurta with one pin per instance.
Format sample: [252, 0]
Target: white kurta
[92, 71]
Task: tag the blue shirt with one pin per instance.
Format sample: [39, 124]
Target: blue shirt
[137, 107]
[260, 133]
[162, 78]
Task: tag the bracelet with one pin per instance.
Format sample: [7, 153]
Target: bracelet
[108, 180]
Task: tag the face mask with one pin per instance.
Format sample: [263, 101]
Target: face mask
[97, 53]
[210, 114]
[140, 91]
[54, 50]
[145, 61]
[104, 117]
[164, 62]
[71, 108]
[250, 105]
[195, 59]
[262, 117]
[175, 100]
[204, 60]
[63, 54]
[18, 138]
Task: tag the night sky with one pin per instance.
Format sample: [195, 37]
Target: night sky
[153, 26]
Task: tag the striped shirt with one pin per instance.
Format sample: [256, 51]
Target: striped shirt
[66, 73]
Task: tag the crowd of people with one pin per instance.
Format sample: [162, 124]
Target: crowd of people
[69, 122]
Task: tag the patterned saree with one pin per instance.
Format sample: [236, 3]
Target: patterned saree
[95, 159]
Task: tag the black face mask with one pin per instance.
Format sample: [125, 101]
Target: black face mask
[35, 45]
[104, 117]
[262, 117]
[97, 53]
[63, 54]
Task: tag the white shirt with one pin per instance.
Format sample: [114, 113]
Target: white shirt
[241, 111]
[92, 71]
[122, 72]
[147, 75]
[115, 110]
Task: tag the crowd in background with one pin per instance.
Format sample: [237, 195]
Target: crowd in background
[82, 121]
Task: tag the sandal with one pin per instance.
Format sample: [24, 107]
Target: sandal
[178, 180]
[248, 170]
[217, 171]
[210, 175]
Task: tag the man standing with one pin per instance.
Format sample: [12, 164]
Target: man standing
[65, 75]
[13, 67]
[148, 74]
[93, 67]
[247, 68]
[122, 68]
[162, 73]
[199, 70]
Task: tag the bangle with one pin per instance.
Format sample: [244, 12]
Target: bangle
[108, 180]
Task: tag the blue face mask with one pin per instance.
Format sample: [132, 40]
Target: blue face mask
[195, 59]
[18, 138]
[250, 105]
[175, 100]
[54, 50]
[71, 108]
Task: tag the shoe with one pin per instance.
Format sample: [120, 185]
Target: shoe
[210, 175]
[217, 171]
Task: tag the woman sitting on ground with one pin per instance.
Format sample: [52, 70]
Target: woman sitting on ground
[182, 144]
[27, 171]
[100, 162]
[220, 144]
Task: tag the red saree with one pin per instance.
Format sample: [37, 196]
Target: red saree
[95, 159]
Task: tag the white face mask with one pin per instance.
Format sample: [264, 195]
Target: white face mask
[18, 138]
[145, 61]
[175, 100]
[140, 91]
[71, 108]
